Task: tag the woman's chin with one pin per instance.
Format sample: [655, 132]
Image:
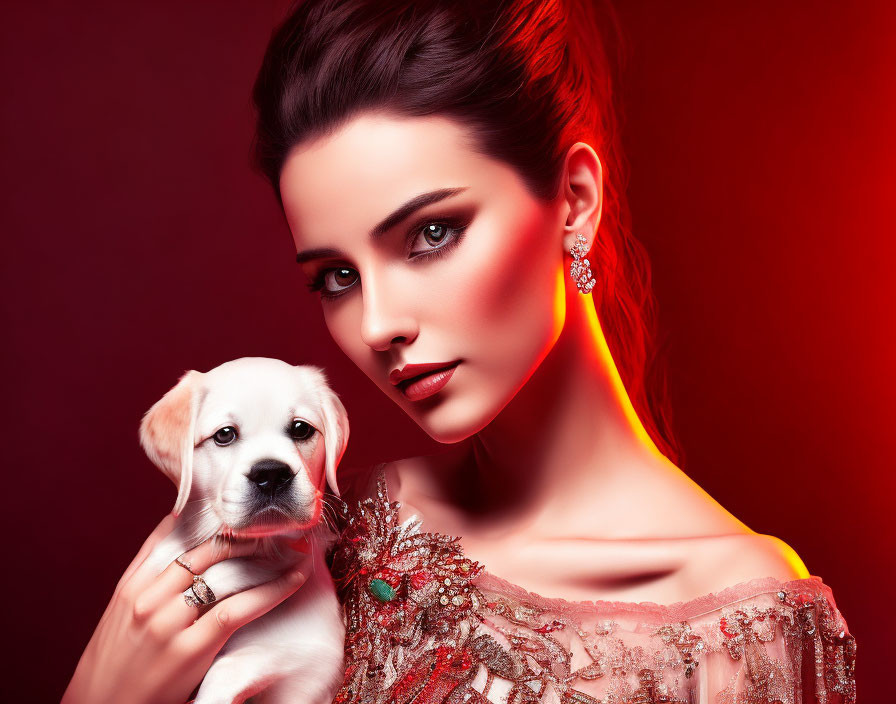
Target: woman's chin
[453, 421]
[448, 438]
[455, 412]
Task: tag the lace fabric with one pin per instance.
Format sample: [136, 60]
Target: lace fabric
[427, 625]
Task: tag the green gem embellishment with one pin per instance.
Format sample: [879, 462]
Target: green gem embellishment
[382, 590]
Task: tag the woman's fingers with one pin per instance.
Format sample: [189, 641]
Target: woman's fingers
[175, 612]
[215, 550]
[218, 623]
[175, 578]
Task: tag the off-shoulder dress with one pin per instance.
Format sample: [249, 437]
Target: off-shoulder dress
[427, 625]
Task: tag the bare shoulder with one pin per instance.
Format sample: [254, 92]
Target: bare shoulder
[727, 560]
[729, 552]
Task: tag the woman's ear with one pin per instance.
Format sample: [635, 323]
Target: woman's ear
[583, 191]
[166, 434]
[336, 429]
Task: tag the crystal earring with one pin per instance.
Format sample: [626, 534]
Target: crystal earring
[580, 269]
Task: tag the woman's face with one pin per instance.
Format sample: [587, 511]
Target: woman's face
[475, 275]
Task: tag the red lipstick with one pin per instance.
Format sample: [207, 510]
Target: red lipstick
[418, 381]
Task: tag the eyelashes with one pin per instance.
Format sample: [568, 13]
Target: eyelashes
[454, 226]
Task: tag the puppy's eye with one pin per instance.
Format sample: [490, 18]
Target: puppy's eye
[225, 436]
[300, 430]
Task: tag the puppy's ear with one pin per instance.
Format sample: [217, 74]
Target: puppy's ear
[166, 434]
[335, 420]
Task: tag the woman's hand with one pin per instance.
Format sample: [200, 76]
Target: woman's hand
[150, 645]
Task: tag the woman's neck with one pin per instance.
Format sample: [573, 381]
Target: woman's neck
[568, 445]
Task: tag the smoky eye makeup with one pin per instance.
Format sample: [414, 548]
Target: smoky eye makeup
[434, 236]
[430, 237]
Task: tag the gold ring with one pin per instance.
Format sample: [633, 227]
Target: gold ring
[186, 565]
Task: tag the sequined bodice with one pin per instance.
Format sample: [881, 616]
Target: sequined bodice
[427, 625]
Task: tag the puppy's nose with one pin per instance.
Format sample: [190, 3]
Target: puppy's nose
[270, 476]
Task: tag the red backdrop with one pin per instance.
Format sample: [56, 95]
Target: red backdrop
[139, 244]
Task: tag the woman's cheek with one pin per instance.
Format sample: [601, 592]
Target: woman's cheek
[511, 305]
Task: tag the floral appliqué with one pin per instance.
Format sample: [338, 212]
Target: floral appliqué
[410, 604]
[426, 625]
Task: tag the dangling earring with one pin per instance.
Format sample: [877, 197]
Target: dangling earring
[580, 269]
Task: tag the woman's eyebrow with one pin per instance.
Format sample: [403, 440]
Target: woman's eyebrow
[394, 218]
[319, 253]
[414, 204]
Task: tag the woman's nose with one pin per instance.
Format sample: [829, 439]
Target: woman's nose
[385, 319]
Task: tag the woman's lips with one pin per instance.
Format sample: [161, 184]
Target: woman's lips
[427, 384]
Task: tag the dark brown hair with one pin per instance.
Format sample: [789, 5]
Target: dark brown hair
[527, 79]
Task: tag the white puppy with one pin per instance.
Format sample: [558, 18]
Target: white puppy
[249, 444]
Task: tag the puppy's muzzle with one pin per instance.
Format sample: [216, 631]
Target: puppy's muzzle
[271, 477]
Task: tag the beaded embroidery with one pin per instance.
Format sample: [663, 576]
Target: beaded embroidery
[425, 625]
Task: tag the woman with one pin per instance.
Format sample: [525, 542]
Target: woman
[451, 177]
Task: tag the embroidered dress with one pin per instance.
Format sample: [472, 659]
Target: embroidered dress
[427, 625]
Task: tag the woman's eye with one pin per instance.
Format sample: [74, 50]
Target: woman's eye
[300, 430]
[332, 282]
[434, 235]
[225, 436]
[340, 279]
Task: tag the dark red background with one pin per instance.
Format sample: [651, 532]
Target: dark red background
[138, 244]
